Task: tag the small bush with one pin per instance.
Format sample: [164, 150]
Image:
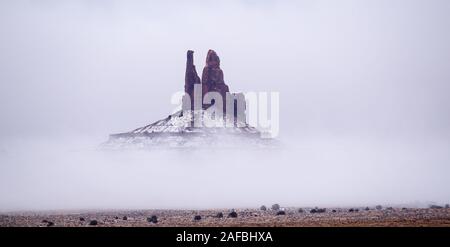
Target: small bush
[276, 207]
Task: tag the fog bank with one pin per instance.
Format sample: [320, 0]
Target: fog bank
[74, 175]
[364, 106]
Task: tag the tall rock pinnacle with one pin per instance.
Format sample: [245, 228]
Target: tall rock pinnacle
[212, 81]
[212, 77]
[191, 76]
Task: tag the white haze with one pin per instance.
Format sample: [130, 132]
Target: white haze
[363, 94]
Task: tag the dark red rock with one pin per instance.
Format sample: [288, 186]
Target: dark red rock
[191, 77]
[212, 81]
[212, 77]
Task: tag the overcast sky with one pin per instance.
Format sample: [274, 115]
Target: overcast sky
[340, 66]
[377, 71]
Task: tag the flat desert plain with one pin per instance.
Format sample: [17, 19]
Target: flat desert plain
[289, 217]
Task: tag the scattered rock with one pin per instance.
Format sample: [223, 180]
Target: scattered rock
[219, 215]
[351, 210]
[125, 218]
[197, 217]
[117, 217]
[276, 207]
[49, 223]
[44, 221]
[300, 210]
[435, 207]
[317, 210]
[379, 207]
[93, 223]
[232, 215]
[281, 212]
[152, 219]
[263, 208]
[333, 211]
[82, 219]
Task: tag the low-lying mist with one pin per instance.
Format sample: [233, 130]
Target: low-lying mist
[73, 174]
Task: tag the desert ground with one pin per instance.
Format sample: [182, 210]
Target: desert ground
[292, 217]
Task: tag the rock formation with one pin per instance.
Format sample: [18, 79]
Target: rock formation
[212, 76]
[191, 77]
[212, 81]
[180, 129]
